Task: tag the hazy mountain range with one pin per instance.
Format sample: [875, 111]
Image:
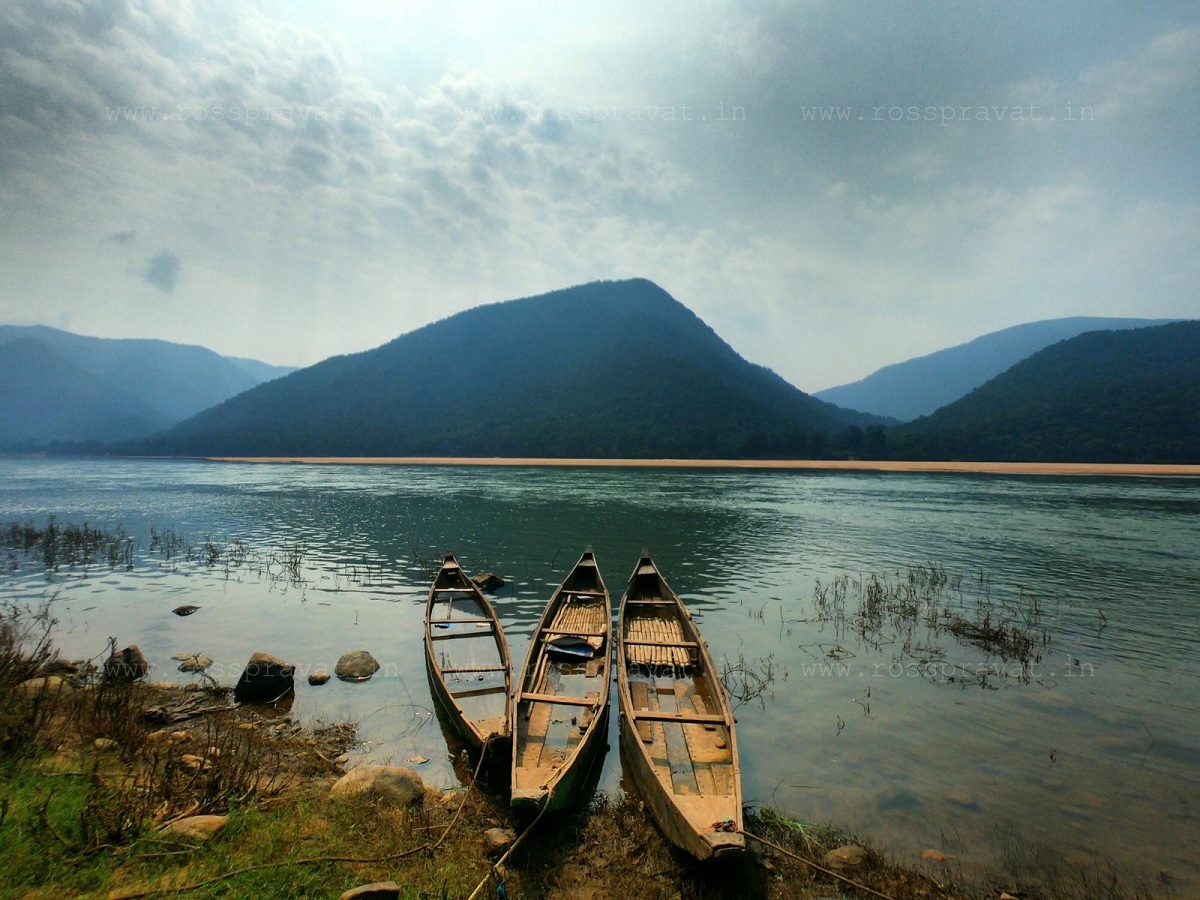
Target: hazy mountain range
[919, 386]
[611, 369]
[70, 388]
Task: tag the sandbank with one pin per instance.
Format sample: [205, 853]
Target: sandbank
[853, 465]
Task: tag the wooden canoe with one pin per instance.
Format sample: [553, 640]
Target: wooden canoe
[677, 727]
[560, 710]
[466, 655]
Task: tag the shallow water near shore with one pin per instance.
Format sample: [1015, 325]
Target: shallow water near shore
[912, 737]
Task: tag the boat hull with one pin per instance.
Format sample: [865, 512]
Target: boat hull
[677, 729]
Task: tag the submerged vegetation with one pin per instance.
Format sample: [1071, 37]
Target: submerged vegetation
[57, 546]
[910, 610]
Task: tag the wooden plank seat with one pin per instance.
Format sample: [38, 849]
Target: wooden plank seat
[555, 698]
[479, 692]
[686, 718]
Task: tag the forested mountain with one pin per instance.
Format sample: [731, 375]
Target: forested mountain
[608, 369]
[1104, 396]
[918, 386]
[47, 398]
[68, 388]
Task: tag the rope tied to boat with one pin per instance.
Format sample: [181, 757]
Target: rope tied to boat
[808, 862]
[496, 871]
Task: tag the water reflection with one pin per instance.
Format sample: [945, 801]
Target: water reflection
[908, 759]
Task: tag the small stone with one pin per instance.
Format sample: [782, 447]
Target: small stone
[197, 663]
[962, 798]
[381, 890]
[64, 761]
[182, 737]
[246, 726]
[851, 856]
[319, 677]
[199, 828]
[418, 760]
[126, 665]
[61, 667]
[49, 685]
[488, 581]
[396, 783]
[358, 665]
[497, 840]
[192, 761]
[936, 856]
[103, 743]
[185, 610]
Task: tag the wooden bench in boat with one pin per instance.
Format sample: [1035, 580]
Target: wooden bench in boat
[464, 620]
[555, 698]
[632, 643]
[684, 718]
[479, 692]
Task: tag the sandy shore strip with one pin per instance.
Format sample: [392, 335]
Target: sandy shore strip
[832, 465]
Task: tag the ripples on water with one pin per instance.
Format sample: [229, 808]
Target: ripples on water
[1097, 756]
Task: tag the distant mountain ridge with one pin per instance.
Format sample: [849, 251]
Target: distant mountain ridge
[921, 385]
[1128, 396]
[607, 369]
[70, 388]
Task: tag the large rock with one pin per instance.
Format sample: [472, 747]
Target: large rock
[358, 665]
[497, 840]
[264, 679]
[198, 828]
[850, 856]
[395, 783]
[126, 665]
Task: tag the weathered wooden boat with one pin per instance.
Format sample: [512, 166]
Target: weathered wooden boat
[560, 710]
[677, 727]
[466, 655]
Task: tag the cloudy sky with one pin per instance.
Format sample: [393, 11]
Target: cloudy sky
[833, 186]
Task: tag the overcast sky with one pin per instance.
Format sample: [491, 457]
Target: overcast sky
[832, 186]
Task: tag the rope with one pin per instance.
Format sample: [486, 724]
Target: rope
[495, 872]
[811, 864]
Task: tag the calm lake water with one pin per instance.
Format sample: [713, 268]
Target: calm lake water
[904, 733]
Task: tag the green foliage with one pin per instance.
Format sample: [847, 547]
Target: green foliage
[1124, 396]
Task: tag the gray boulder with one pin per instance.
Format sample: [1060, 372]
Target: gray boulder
[358, 665]
[264, 679]
[395, 783]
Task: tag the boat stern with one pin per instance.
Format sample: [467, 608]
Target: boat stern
[528, 799]
[725, 844]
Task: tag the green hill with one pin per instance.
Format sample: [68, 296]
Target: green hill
[917, 387]
[608, 369]
[1104, 396]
